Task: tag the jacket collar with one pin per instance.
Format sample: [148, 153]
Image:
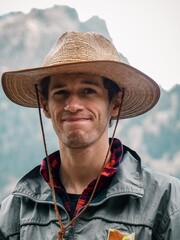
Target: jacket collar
[126, 181]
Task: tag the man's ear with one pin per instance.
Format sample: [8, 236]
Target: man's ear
[116, 104]
[44, 105]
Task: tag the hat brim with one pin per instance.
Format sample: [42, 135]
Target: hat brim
[141, 92]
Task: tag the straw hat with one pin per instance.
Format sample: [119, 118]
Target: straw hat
[88, 52]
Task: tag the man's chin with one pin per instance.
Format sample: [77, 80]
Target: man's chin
[76, 139]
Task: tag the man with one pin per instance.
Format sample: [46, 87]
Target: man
[92, 187]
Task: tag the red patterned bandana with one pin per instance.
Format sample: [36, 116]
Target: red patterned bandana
[106, 176]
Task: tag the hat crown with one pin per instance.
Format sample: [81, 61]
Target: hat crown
[78, 47]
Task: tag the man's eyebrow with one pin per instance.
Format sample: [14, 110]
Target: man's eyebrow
[57, 86]
[60, 85]
[91, 83]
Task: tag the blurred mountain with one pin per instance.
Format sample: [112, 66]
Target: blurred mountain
[24, 42]
[156, 135]
[26, 38]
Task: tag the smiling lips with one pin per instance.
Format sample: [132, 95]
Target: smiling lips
[76, 118]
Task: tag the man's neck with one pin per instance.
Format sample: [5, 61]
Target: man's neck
[80, 166]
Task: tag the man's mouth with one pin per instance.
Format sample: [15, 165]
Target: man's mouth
[75, 119]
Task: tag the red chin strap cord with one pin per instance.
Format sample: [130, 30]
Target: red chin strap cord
[63, 227]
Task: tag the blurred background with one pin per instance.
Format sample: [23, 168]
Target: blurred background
[147, 36]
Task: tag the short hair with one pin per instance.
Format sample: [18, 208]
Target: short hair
[111, 87]
[44, 86]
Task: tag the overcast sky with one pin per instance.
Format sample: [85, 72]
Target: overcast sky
[146, 32]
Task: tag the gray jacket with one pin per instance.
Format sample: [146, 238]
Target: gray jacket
[138, 200]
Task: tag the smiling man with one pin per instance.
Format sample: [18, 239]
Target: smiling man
[93, 186]
[80, 111]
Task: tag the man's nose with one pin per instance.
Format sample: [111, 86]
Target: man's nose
[73, 103]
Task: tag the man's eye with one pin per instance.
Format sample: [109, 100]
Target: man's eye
[61, 92]
[89, 91]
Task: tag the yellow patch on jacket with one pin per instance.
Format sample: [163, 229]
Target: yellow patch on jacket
[117, 235]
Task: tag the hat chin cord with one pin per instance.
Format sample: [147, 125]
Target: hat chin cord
[63, 227]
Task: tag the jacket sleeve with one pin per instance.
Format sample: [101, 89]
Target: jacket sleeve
[9, 218]
[173, 230]
[169, 226]
[2, 237]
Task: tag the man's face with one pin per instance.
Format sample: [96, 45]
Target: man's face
[79, 108]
